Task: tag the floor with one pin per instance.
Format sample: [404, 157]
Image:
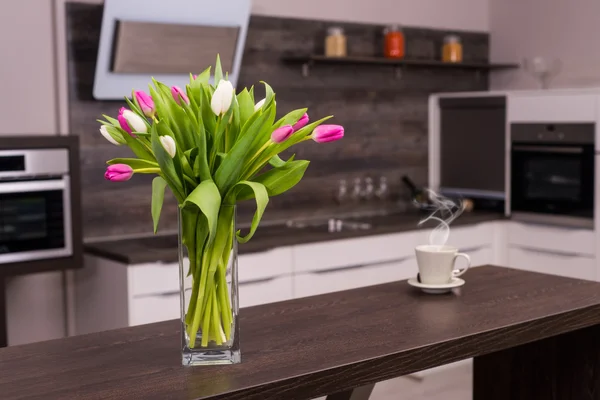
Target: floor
[453, 382]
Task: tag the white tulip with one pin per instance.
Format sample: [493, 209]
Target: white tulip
[136, 122]
[222, 98]
[107, 135]
[169, 145]
[261, 103]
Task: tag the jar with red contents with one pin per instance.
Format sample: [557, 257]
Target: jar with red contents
[393, 42]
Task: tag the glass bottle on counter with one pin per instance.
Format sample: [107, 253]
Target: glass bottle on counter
[393, 42]
[335, 42]
[452, 51]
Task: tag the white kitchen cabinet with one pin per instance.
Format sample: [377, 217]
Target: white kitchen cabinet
[551, 107]
[110, 295]
[350, 277]
[468, 237]
[480, 255]
[267, 290]
[552, 262]
[551, 238]
[357, 251]
[154, 308]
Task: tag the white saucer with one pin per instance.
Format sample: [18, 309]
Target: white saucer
[436, 289]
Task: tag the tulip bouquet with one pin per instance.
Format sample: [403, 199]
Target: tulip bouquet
[213, 148]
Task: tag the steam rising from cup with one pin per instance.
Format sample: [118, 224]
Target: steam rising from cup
[444, 211]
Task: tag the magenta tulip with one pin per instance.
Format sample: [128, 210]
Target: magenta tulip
[179, 94]
[301, 122]
[328, 133]
[123, 121]
[146, 103]
[118, 173]
[282, 134]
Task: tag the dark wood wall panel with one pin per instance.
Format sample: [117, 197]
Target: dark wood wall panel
[385, 118]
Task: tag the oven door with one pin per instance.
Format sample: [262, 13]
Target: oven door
[553, 182]
[35, 220]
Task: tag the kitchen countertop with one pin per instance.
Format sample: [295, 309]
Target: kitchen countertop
[268, 236]
[507, 319]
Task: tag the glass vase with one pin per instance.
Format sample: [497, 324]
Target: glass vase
[209, 288]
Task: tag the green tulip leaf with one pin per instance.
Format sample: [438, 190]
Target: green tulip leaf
[232, 167]
[290, 118]
[207, 198]
[158, 196]
[261, 196]
[138, 147]
[208, 116]
[166, 166]
[277, 180]
[134, 163]
[218, 71]
[246, 104]
[277, 162]
[224, 228]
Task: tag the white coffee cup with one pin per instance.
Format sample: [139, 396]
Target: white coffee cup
[436, 263]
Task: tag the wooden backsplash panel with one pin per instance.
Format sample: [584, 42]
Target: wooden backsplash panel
[385, 118]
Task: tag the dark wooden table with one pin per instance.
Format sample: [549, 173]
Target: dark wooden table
[533, 336]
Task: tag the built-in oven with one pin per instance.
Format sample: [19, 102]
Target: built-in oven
[35, 209]
[552, 173]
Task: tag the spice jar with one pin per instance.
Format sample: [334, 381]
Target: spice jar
[393, 42]
[335, 42]
[452, 49]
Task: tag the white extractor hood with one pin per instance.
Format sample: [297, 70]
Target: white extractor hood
[110, 84]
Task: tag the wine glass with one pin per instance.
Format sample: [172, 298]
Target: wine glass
[542, 69]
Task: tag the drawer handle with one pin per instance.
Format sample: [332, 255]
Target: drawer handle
[551, 252]
[471, 249]
[357, 266]
[163, 294]
[257, 281]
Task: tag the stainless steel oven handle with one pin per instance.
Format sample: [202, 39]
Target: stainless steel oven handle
[32, 186]
[543, 149]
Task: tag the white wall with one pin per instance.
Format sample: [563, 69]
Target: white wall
[564, 29]
[27, 104]
[445, 14]
[35, 306]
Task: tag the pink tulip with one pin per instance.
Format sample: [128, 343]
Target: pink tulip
[282, 134]
[194, 77]
[146, 103]
[123, 121]
[328, 133]
[301, 123]
[118, 173]
[179, 94]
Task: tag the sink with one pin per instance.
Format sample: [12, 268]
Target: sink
[330, 225]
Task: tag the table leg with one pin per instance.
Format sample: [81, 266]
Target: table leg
[565, 367]
[359, 393]
[3, 319]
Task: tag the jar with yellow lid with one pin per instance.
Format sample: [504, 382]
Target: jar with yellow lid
[452, 51]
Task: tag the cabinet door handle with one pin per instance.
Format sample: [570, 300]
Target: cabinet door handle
[542, 149]
[257, 281]
[357, 266]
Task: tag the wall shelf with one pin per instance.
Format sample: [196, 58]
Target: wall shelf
[308, 61]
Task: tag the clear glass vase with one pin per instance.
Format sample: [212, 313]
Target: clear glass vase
[209, 289]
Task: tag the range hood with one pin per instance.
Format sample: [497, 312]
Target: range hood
[166, 40]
